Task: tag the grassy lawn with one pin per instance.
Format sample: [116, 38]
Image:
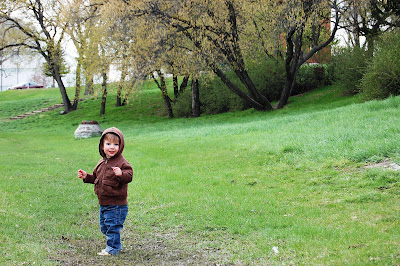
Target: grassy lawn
[223, 189]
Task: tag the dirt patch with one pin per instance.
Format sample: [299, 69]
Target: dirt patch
[154, 248]
[387, 164]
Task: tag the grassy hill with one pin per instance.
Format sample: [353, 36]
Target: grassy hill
[293, 186]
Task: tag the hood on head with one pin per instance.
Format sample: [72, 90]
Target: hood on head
[117, 132]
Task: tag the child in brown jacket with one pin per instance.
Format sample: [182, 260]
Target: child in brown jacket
[110, 178]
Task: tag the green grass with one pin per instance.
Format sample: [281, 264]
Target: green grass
[215, 189]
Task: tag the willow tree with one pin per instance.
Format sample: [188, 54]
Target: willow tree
[219, 32]
[122, 41]
[104, 56]
[41, 31]
[90, 33]
[80, 17]
[154, 50]
[213, 28]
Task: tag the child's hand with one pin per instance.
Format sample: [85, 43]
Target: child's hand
[82, 174]
[117, 171]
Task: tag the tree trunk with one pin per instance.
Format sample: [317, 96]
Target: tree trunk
[55, 70]
[234, 55]
[295, 57]
[128, 91]
[89, 84]
[195, 98]
[252, 102]
[163, 87]
[119, 96]
[289, 84]
[175, 83]
[78, 85]
[120, 86]
[291, 63]
[184, 84]
[63, 91]
[104, 96]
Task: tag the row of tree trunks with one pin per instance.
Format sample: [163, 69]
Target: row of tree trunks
[195, 92]
[179, 89]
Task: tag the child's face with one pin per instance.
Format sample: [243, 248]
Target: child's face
[111, 147]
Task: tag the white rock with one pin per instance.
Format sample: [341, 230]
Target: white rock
[88, 129]
[275, 249]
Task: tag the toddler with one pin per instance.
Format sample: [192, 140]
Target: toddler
[110, 178]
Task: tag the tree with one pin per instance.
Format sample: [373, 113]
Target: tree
[369, 18]
[195, 97]
[351, 14]
[105, 67]
[5, 55]
[211, 31]
[163, 87]
[40, 30]
[122, 41]
[307, 13]
[63, 67]
[79, 18]
[144, 48]
[380, 18]
[217, 33]
[90, 33]
[104, 58]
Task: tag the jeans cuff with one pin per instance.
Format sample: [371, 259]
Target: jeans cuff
[112, 251]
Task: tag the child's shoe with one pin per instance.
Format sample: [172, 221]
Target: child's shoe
[104, 253]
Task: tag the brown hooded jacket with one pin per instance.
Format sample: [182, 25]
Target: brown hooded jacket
[111, 189]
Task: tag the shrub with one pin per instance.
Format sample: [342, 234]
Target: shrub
[382, 77]
[183, 104]
[269, 76]
[349, 65]
[215, 98]
[310, 77]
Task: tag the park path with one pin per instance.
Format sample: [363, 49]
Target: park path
[42, 110]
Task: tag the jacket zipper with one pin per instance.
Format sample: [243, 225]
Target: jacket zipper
[103, 174]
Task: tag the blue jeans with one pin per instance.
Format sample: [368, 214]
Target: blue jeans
[112, 220]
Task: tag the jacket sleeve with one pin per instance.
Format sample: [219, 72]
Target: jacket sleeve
[90, 178]
[127, 173]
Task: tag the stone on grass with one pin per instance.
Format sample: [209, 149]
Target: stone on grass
[88, 129]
